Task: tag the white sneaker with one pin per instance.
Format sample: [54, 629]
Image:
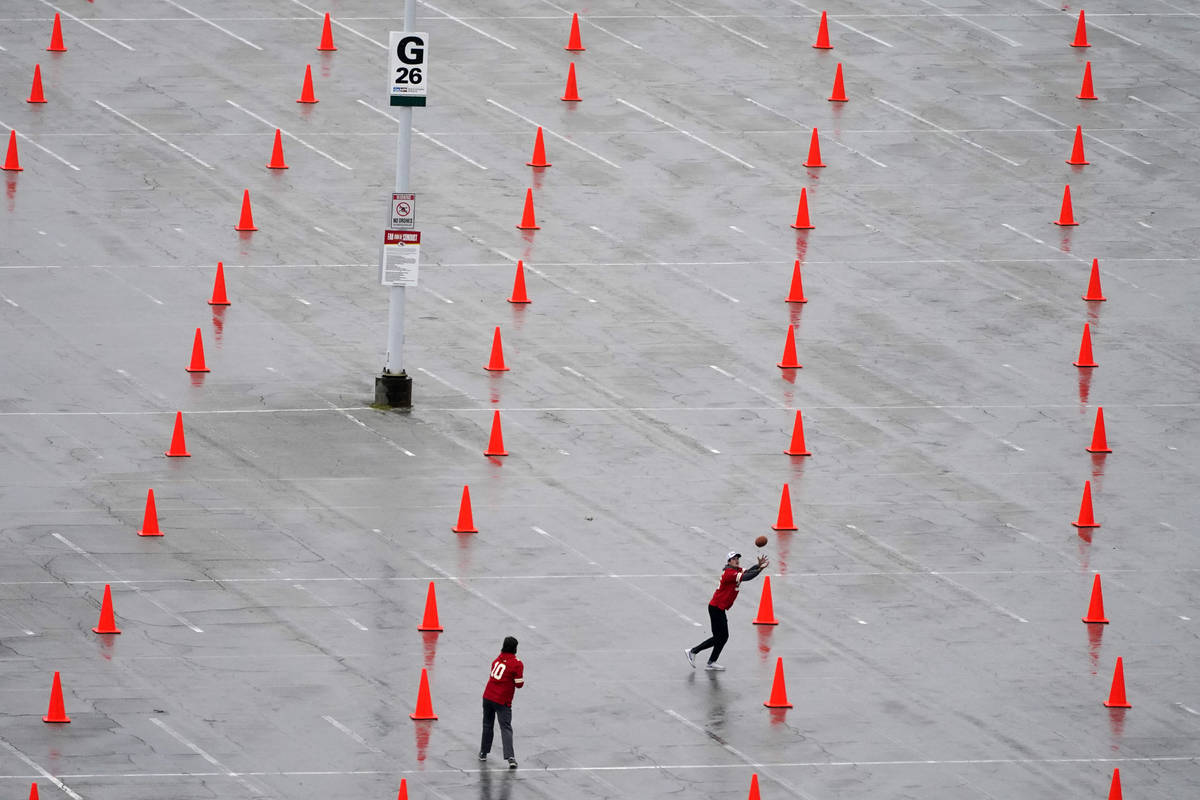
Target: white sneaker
[713, 666]
[691, 657]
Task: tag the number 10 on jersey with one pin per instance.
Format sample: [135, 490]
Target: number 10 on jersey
[408, 68]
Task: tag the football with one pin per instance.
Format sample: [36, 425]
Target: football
[760, 541]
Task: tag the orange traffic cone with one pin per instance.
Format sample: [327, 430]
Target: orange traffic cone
[1086, 520]
[789, 351]
[496, 362]
[802, 222]
[573, 41]
[11, 162]
[1085, 349]
[306, 92]
[56, 40]
[466, 523]
[796, 292]
[797, 448]
[218, 295]
[778, 689]
[197, 364]
[430, 621]
[56, 712]
[839, 91]
[424, 701]
[107, 623]
[178, 445]
[277, 161]
[1085, 91]
[754, 795]
[403, 795]
[1095, 612]
[571, 95]
[1116, 695]
[1093, 290]
[814, 152]
[1066, 217]
[1099, 440]
[784, 522]
[1080, 32]
[823, 35]
[518, 292]
[1114, 789]
[1077, 157]
[35, 91]
[150, 518]
[496, 441]
[33, 792]
[528, 221]
[539, 152]
[326, 35]
[766, 609]
[246, 221]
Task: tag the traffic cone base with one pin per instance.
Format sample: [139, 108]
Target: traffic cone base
[823, 35]
[839, 89]
[35, 91]
[574, 43]
[1116, 695]
[528, 220]
[326, 35]
[789, 351]
[218, 295]
[306, 92]
[150, 518]
[56, 712]
[778, 697]
[784, 521]
[518, 292]
[1093, 291]
[496, 362]
[466, 523]
[277, 161]
[496, 440]
[539, 151]
[1085, 91]
[802, 222]
[1095, 612]
[430, 621]
[1080, 32]
[571, 95]
[766, 608]
[107, 623]
[796, 292]
[1066, 217]
[424, 708]
[1085, 349]
[814, 152]
[1077, 158]
[1099, 439]
[56, 39]
[246, 221]
[197, 363]
[1086, 520]
[178, 444]
[797, 447]
[11, 162]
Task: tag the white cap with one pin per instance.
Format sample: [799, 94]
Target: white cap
[732, 555]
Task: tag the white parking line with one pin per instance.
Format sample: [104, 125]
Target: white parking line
[342, 25]
[758, 392]
[40, 147]
[195, 748]
[809, 127]
[431, 7]
[685, 133]
[289, 135]
[210, 22]
[442, 145]
[143, 128]
[837, 21]
[1160, 110]
[552, 133]
[961, 18]
[40, 770]
[351, 734]
[71, 16]
[718, 24]
[586, 21]
[947, 132]
[1093, 137]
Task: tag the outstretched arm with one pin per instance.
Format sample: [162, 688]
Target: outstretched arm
[753, 572]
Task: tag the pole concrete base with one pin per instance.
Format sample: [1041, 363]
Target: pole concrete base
[393, 391]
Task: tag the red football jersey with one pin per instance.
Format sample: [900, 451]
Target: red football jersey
[506, 676]
[727, 591]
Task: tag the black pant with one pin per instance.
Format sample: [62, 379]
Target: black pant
[720, 633]
[492, 710]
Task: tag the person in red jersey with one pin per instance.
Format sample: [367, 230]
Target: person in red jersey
[722, 600]
[506, 676]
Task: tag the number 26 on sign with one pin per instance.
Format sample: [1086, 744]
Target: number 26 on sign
[408, 68]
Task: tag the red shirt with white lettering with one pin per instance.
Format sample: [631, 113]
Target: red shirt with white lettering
[727, 591]
[506, 676]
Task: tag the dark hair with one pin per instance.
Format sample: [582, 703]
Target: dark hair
[510, 645]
